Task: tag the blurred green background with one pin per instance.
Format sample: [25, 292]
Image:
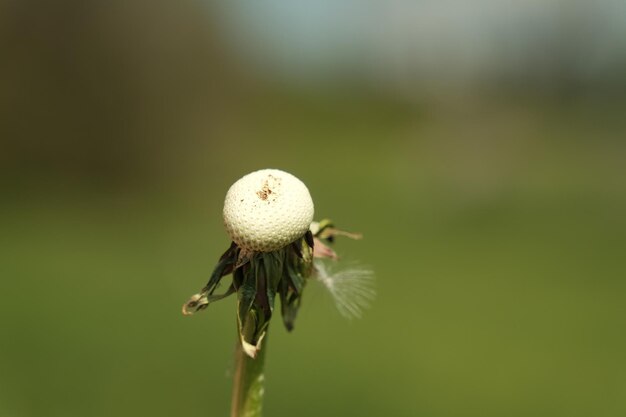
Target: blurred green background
[478, 146]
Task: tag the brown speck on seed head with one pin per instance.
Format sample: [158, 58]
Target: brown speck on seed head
[263, 193]
[265, 190]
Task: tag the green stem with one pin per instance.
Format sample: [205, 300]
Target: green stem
[248, 382]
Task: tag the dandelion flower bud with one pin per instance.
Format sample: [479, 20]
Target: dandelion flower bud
[267, 210]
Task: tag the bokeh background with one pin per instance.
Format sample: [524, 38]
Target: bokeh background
[479, 146]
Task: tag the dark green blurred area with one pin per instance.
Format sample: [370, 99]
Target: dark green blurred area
[493, 218]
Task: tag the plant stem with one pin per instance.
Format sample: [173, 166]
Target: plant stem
[248, 382]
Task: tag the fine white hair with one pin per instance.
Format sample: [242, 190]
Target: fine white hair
[352, 288]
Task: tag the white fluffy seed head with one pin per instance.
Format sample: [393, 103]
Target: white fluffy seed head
[267, 210]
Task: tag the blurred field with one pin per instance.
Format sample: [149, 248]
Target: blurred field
[494, 222]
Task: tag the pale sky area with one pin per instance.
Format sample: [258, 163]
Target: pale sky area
[405, 41]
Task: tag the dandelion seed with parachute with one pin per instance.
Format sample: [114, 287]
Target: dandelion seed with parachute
[352, 288]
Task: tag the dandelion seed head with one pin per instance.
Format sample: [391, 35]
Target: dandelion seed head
[267, 209]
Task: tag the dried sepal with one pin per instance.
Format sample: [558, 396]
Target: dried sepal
[226, 265]
[324, 233]
[258, 278]
[298, 267]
